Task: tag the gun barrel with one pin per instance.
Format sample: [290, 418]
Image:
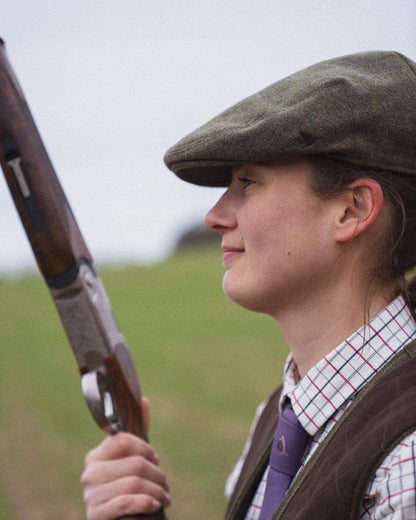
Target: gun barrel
[40, 201]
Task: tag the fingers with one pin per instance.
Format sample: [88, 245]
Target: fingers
[103, 472]
[122, 445]
[121, 506]
[126, 496]
[122, 477]
[131, 485]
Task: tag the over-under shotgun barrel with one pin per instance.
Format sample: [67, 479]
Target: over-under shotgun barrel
[45, 213]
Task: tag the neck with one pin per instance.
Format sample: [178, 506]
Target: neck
[314, 328]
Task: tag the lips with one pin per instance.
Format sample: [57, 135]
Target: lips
[232, 249]
[230, 254]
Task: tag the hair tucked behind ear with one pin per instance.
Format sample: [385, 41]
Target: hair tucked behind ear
[397, 251]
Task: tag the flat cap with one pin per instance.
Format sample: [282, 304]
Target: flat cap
[359, 109]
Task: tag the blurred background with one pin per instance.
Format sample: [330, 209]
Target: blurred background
[113, 84]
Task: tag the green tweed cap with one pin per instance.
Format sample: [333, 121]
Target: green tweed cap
[359, 109]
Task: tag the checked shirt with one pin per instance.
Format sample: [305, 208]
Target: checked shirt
[323, 394]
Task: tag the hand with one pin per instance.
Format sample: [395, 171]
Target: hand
[122, 477]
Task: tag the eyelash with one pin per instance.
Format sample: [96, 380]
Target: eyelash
[245, 182]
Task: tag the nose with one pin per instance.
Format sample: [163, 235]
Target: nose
[220, 217]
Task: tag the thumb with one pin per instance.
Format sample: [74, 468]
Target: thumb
[146, 413]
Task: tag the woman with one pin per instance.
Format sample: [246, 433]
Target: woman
[317, 224]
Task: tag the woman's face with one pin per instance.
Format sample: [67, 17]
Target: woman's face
[278, 237]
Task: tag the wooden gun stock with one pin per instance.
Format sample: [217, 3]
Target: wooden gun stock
[109, 378]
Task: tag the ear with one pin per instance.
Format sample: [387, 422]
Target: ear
[360, 206]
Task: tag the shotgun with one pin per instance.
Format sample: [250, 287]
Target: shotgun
[108, 376]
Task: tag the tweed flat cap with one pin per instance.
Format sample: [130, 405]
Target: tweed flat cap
[359, 109]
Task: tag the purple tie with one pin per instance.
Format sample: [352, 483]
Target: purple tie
[285, 457]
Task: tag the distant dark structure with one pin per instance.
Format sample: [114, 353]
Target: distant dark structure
[196, 236]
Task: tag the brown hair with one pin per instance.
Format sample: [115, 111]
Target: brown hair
[397, 252]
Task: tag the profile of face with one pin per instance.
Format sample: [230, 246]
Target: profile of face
[278, 237]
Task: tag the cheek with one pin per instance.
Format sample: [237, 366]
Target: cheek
[294, 238]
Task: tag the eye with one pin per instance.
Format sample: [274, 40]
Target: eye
[245, 182]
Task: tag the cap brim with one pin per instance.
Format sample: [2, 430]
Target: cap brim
[210, 174]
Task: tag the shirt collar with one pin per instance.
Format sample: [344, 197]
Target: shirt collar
[338, 377]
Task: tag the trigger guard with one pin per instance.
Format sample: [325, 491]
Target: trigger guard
[99, 401]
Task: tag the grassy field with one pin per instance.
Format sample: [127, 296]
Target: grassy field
[204, 362]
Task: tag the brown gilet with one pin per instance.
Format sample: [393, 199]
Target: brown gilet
[333, 482]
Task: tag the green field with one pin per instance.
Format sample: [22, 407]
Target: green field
[204, 362]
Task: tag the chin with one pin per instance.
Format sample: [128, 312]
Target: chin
[244, 298]
[253, 297]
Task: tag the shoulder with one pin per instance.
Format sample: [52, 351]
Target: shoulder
[235, 473]
[263, 425]
[393, 487]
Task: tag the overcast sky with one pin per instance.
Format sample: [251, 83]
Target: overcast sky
[112, 84]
